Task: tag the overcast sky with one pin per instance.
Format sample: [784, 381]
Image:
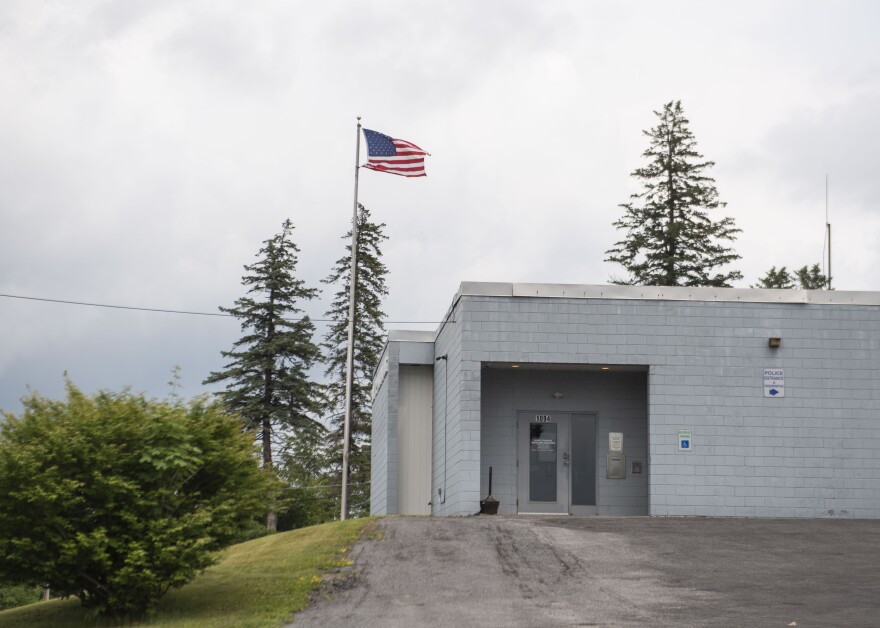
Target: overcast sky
[148, 147]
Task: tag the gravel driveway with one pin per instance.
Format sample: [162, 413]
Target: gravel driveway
[588, 571]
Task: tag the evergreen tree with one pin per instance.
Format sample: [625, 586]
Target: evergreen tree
[670, 238]
[267, 376]
[310, 496]
[808, 278]
[811, 278]
[369, 334]
[780, 279]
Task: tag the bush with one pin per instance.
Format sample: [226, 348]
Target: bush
[12, 595]
[116, 499]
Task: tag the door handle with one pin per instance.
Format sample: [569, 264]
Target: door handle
[565, 458]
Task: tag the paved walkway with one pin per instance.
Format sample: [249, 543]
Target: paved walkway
[573, 571]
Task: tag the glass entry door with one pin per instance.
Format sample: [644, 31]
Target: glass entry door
[556, 454]
[542, 475]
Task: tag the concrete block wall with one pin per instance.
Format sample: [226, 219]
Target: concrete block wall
[456, 447]
[813, 453]
[619, 400]
[627, 414]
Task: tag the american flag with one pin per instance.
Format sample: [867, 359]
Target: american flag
[387, 154]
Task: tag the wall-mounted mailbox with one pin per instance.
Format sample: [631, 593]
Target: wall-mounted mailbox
[615, 467]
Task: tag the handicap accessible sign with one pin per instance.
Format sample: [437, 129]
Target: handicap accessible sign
[685, 439]
[774, 383]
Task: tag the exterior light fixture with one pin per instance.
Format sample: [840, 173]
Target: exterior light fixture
[775, 343]
[514, 366]
[557, 395]
[606, 368]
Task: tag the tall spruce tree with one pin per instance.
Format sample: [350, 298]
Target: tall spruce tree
[670, 238]
[369, 334]
[267, 376]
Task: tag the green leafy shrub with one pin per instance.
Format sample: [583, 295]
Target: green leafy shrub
[116, 499]
[12, 595]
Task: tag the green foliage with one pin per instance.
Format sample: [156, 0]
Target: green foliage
[257, 584]
[12, 595]
[116, 499]
[811, 278]
[310, 496]
[808, 278]
[670, 239]
[779, 279]
[267, 377]
[369, 335]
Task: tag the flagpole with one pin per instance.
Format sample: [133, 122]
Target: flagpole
[349, 361]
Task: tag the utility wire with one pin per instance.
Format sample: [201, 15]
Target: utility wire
[307, 488]
[115, 307]
[187, 312]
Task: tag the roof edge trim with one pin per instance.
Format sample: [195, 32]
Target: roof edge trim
[667, 293]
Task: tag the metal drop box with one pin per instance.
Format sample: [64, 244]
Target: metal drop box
[615, 467]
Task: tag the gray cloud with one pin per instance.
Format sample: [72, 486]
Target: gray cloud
[148, 148]
[839, 140]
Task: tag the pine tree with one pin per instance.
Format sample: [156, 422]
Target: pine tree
[808, 278]
[812, 278]
[310, 496]
[779, 279]
[670, 238]
[369, 334]
[268, 382]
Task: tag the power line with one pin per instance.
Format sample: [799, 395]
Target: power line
[187, 312]
[115, 307]
[315, 488]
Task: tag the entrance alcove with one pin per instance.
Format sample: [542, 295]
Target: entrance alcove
[545, 433]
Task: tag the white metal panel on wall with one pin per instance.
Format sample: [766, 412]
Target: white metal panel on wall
[414, 440]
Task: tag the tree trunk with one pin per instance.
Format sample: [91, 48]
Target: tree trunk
[671, 279]
[271, 515]
[268, 393]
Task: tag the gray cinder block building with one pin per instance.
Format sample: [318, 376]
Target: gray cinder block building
[631, 400]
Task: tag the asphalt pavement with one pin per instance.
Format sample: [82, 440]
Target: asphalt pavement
[594, 571]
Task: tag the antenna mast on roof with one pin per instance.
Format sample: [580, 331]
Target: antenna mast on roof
[828, 232]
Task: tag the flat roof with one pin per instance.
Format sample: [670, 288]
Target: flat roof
[665, 293]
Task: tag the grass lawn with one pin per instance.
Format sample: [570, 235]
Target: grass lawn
[255, 584]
